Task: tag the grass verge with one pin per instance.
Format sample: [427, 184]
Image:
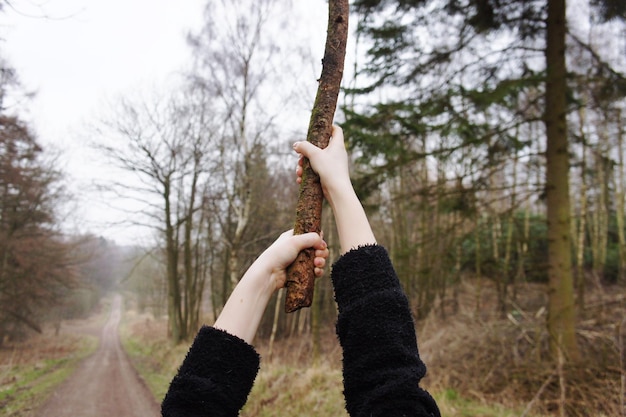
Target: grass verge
[284, 387]
[286, 390]
[29, 373]
[152, 355]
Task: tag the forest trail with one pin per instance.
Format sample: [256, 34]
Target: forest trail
[104, 384]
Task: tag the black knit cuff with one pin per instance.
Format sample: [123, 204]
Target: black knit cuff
[357, 274]
[217, 374]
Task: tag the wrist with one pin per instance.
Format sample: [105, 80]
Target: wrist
[338, 191]
[242, 312]
[341, 197]
[259, 279]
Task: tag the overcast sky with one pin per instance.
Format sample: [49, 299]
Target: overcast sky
[77, 55]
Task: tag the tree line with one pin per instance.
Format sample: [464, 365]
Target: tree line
[487, 111]
[487, 142]
[447, 116]
[46, 275]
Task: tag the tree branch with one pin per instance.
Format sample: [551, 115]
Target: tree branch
[301, 274]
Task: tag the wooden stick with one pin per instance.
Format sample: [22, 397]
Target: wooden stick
[301, 274]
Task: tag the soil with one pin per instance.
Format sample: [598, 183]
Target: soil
[104, 384]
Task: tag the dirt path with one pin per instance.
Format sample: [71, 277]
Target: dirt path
[105, 384]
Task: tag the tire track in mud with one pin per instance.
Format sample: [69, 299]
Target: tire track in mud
[104, 384]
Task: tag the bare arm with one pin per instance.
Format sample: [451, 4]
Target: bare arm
[382, 366]
[331, 164]
[244, 309]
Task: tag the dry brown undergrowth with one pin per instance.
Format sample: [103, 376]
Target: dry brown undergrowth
[506, 360]
[491, 359]
[473, 352]
[48, 345]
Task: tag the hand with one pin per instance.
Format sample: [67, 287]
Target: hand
[284, 251]
[330, 163]
[242, 312]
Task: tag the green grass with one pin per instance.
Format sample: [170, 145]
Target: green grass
[151, 362]
[25, 387]
[453, 404]
[284, 389]
[154, 358]
[281, 390]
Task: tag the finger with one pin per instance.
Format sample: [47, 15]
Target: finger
[319, 264]
[299, 170]
[321, 253]
[322, 244]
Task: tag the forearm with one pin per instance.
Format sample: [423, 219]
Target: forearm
[245, 306]
[382, 366]
[242, 312]
[353, 226]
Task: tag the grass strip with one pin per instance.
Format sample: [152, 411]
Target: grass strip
[25, 387]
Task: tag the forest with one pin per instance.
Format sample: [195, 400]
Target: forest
[487, 145]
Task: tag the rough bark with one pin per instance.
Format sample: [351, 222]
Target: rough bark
[301, 275]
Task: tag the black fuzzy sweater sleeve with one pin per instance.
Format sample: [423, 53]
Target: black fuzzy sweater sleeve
[381, 363]
[214, 379]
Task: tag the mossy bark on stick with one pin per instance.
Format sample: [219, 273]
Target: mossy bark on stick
[301, 274]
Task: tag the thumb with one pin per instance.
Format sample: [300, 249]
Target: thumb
[336, 138]
[305, 148]
[307, 240]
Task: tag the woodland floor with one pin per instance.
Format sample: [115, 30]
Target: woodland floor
[472, 352]
[494, 357]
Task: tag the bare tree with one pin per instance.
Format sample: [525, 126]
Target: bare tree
[235, 68]
[167, 144]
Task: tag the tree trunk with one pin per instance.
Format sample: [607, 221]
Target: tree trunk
[508, 246]
[620, 193]
[561, 312]
[601, 212]
[422, 258]
[301, 274]
[440, 236]
[478, 262]
[582, 227]
[270, 350]
[171, 249]
[189, 289]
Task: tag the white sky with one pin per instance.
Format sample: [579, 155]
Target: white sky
[78, 55]
[93, 49]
